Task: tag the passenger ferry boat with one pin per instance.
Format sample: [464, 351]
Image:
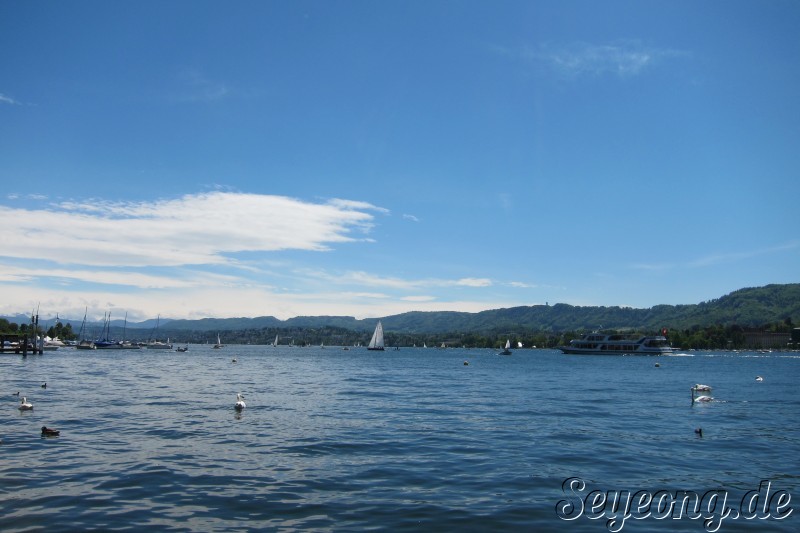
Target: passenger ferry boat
[618, 344]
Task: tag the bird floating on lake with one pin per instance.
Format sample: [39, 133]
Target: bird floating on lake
[233, 360]
[701, 388]
[700, 398]
[50, 432]
[759, 378]
[15, 394]
[25, 405]
[240, 405]
[699, 432]
[44, 385]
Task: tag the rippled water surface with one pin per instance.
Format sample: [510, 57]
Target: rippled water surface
[400, 440]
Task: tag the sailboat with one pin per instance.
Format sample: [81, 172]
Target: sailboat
[376, 343]
[219, 342]
[507, 351]
[85, 344]
[275, 342]
[105, 343]
[154, 344]
[125, 344]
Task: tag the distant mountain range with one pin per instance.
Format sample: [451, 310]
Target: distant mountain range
[745, 307]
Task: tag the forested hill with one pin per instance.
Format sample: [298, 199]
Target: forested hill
[751, 307]
[745, 307]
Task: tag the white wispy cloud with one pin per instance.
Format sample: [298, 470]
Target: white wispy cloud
[719, 258]
[195, 86]
[361, 278]
[624, 58]
[356, 205]
[5, 99]
[121, 278]
[474, 282]
[218, 301]
[206, 254]
[420, 298]
[200, 229]
[412, 218]
[714, 259]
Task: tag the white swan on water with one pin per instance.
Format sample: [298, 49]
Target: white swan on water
[239, 402]
[25, 405]
[700, 398]
[702, 388]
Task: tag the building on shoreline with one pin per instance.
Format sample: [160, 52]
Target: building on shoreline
[768, 340]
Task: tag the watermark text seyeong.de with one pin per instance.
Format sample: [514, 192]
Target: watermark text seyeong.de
[713, 507]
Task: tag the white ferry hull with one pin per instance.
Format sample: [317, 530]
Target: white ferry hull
[615, 344]
[568, 350]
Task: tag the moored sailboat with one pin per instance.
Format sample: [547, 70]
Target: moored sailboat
[154, 344]
[84, 344]
[106, 343]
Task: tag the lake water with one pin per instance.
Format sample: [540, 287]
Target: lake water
[409, 440]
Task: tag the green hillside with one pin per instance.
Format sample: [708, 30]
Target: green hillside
[745, 308]
[750, 307]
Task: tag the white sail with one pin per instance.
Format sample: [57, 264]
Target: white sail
[507, 349]
[376, 343]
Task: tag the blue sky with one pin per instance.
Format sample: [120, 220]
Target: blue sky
[191, 158]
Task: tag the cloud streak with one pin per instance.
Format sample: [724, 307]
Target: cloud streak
[196, 87]
[210, 254]
[719, 258]
[4, 99]
[623, 59]
[366, 279]
[202, 229]
[714, 259]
